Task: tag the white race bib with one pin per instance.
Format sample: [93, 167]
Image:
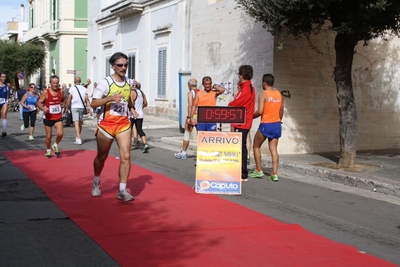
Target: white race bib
[31, 107]
[55, 109]
[119, 109]
[2, 101]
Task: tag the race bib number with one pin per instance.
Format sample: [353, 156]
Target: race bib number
[119, 109]
[55, 109]
[31, 107]
[2, 101]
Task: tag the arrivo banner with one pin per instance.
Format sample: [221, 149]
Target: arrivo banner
[218, 164]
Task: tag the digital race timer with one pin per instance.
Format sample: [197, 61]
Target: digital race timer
[211, 114]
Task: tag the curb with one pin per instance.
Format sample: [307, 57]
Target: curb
[377, 184]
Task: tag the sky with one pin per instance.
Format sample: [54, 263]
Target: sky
[9, 10]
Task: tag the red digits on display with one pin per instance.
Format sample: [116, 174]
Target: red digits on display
[217, 114]
[224, 114]
[209, 114]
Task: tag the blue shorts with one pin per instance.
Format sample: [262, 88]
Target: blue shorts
[208, 127]
[271, 130]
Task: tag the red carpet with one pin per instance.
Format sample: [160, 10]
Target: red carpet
[169, 225]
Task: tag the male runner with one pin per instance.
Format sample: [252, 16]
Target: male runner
[52, 102]
[4, 92]
[114, 95]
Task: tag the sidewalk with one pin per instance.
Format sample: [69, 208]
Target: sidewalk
[377, 170]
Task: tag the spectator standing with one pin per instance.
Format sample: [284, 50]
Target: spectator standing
[52, 102]
[206, 97]
[140, 102]
[68, 114]
[245, 97]
[28, 103]
[114, 94]
[77, 100]
[191, 96]
[270, 108]
[4, 94]
[20, 93]
[89, 89]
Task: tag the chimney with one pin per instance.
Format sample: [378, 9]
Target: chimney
[22, 13]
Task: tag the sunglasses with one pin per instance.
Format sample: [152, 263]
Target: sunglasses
[121, 65]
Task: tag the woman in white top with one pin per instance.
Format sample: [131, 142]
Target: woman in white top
[140, 102]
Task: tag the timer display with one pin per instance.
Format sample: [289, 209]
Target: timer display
[215, 114]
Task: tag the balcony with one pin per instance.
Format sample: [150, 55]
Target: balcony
[52, 29]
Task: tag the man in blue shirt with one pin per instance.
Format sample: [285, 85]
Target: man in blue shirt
[20, 93]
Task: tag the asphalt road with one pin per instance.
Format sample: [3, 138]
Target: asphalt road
[34, 232]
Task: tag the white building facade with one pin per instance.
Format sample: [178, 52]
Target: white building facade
[60, 27]
[154, 36]
[168, 39]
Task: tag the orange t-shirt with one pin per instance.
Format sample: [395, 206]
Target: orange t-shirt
[207, 99]
[272, 107]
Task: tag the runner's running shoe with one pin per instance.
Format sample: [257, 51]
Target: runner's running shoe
[96, 189]
[125, 195]
[48, 154]
[145, 148]
[56, 150]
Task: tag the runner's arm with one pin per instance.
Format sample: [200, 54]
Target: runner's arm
[23, 99]
[41, 100]
[260, 110]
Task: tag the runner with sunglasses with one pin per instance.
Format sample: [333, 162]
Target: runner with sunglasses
[113, 94]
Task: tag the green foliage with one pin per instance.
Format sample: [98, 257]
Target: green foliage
[16, 57]
[364, 19]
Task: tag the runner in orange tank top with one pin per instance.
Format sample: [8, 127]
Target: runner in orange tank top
[270, 108]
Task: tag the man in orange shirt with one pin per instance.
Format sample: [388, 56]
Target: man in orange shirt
[270, 108]
[206, 97]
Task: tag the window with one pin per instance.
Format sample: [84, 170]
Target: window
[54, 14]
[108, 70]
[31, 18]
[131, 66]
[162, 72]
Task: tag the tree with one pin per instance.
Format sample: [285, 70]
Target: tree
[17, 57]
[353, 21]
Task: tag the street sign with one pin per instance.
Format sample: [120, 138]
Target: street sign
[74, 72]
[20, 75]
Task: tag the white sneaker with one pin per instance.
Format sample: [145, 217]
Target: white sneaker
[96, 191]
[125, 195]
[180, 155]
[78, 141]
[22, 127]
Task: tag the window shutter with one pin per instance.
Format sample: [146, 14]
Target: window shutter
[162, 73]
